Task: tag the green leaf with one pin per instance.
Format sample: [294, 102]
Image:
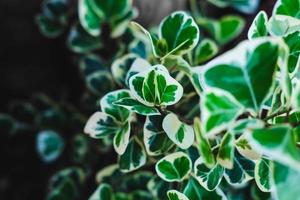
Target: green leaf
[218, 111]
[80, 41]
[287, 7]
[259, 25]
[100, 125]
[263, 175]
[158, 188]
[180, 133]
[286, 181]
[137, 66]
[292, 41]
[90, 64]
[223, 30]
[121, 139]
[194, 191]
[245, 149]
[94, 82]
[204, 146]
[245, 6]
[242, 171]
[121, 66]
[107, 105]
[155, 87]
[133, 158]
[226, 151]
[135, 106]
[206, 49]
[281, 25]
[175, 195]
[155, 138]
[208, 178]
[236, 72]
[278, 143]
[174, 167]
[49, 145]
[103, 192]
[89, 20]
[49, 27]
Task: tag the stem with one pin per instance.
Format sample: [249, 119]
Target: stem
[277, 114]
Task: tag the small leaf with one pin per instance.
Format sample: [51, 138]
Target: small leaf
[121, 139]
[208, 178]
[204, 146]
[245, 6]
[80, 41]
[259, 25]
[174, 167]
[90, 64]
[180, 133]
[263, 175]
[49, 27]
[296, 96]
[205, 51]
[218, 111]
[282, 25]
[94, 82]
[49, 145]
[135, 106]
[158, 188]
[155, 87]
[117, 112]
[226, 151]
[242, 171]
[133, 158]
[103, 192]
[278, 143]
[245, 149]
[156, 140]
[175, 195]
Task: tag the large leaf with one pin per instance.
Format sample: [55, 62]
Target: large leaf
[208, 178]
[134, 156]
[174, 167]
[180, 133]
[155, 87]
[49, 145]
[117, 112]
[155, 139]
[218, 111]
[236, 71]
[287, 7]
[278, 143]
[204, 146]
[259, 25]
[286, 181]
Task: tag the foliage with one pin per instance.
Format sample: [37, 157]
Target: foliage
[185, 124]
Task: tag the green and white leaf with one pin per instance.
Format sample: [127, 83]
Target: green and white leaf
[203, 144]
[218, 111]
[137, 66]
[278, 143]
[245, 149]
[205, 51]
[259, 26]
[95, 80]
[175, 195]
[120, 114]
[158, 187]
[226, 151]
[174, 167]
[134, 156]
[263, 175]
[100, 125]
[103, 192]
[180, 133]
[121, 139]
[208, 178]
[156, 140]
[296, 96]
[282, 25]
[155, 87]
[245, 6]
[135, 106]
[121, 66]
[236, 72]
[242, 171]
[287, 7]
[91, 63]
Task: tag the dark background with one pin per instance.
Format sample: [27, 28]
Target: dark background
[31, 63]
